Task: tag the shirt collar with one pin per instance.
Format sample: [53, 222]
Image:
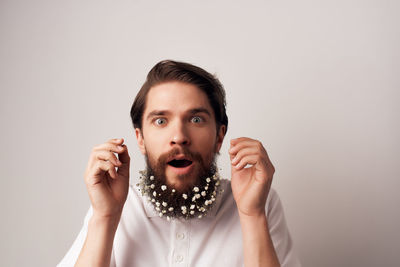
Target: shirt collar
[151, 212]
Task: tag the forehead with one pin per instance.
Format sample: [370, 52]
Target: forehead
[176, 96]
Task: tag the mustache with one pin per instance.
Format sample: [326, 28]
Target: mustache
[193, 156]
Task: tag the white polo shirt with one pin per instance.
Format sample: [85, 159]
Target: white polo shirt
[145, 239]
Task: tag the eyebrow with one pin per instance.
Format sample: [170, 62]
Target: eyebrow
[200, 110]
[193, 111]
[155, 113]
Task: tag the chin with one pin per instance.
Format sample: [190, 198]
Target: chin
[177, 196]
[184, 182]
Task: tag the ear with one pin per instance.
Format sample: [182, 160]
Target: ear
[220, 137]
[140, 141]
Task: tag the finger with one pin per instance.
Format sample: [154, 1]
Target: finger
[240, 139]
[124, 155]
[116, 148]
[257, 161]
[117, 141]
[243, 152]
[107, 166]
[248, 159]
[107, 156]
[245, 143]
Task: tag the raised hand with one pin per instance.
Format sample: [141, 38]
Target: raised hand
[108, 187]
[250, 185]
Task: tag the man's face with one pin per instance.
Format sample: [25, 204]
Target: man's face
[179, 133]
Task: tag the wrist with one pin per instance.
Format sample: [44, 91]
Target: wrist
[260, 217]
[105, 221]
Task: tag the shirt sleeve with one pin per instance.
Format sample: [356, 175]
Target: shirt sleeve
[279, 232]
[72, 255]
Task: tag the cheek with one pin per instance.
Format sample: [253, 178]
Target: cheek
[209, 137]
[152, 153]
[154, 141]
[206, 142]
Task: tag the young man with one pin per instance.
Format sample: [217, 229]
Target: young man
[181, 213]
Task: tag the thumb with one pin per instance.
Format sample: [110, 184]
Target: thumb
[125, 160]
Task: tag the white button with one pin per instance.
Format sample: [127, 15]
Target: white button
[180, 236]
[179, 258]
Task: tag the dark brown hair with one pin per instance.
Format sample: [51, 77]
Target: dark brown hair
[167, 71]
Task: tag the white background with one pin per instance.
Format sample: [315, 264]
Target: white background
[316, 81]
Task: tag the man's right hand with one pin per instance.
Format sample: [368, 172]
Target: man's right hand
[107, 187]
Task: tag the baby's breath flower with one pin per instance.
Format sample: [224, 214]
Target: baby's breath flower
[202, 198]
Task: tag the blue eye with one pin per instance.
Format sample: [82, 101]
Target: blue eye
[160, 121]
[196, 119]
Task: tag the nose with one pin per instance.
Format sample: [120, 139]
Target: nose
[180, 135]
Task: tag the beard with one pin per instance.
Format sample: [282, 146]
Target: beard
[195, 195]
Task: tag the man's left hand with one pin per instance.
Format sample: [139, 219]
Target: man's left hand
[250, 185]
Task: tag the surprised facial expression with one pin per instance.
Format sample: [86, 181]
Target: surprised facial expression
[179, 134]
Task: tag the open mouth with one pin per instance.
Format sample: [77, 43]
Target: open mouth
[180, 163]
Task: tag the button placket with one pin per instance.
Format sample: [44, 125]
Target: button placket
[181, 244]
[180, 236]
